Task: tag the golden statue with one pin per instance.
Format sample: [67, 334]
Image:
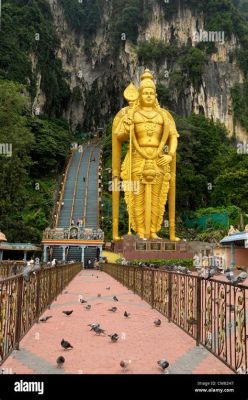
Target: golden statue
[148, 172]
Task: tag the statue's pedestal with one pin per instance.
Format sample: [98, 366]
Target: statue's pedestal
[134, 248]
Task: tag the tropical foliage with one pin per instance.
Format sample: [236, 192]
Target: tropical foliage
[28, 172]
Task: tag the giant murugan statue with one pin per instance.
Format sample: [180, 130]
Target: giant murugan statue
[148, 171]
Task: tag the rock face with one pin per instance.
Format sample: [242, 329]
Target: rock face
[97, 82]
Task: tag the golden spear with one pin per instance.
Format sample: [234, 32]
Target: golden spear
[131, 94]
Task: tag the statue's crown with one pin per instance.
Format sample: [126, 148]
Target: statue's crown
[147, 75]
[147, 80]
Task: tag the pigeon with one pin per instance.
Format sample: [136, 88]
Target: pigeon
[44, 319]
[114, 337]
[113, 309]
[115, 298]
[229, 274]
[210, 273]
[242, 276]
[93, 326]
[157, 322]
[99, 330]
[67, 312]
[163, 364]
[88, 307]
[99, 295]
[108, 288]
[124, 365]
[235, 280]
[83, 301]
[26, 272]
[66, 345]
[60, 361]
[126, 314]
[26, 276]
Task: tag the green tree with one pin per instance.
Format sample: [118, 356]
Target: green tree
[52, 141]
[28, 172]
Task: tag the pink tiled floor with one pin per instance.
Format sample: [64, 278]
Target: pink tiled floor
[140, 341]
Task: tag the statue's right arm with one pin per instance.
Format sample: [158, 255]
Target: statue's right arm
[120, 127]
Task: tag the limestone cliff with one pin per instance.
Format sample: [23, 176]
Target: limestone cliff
[97, 81]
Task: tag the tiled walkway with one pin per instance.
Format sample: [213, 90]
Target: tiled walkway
[140, 341]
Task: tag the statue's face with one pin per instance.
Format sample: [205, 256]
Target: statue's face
[148, 97]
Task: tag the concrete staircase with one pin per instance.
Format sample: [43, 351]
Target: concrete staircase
[81, 198]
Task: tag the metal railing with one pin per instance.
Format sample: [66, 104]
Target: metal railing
[87, 184]
[213, 312]
[22, 303]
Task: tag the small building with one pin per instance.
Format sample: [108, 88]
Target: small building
[18, 251]
[236, 249]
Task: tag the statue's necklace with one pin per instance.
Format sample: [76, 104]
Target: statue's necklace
[149, 126]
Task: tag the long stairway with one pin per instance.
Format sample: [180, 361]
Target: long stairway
[65, 212]
[81, 186]
[81, 189]
[80, 197]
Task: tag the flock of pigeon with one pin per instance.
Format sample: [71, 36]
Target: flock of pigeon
[95, 327]
[228, 273]
[114, 337]
[205, 273]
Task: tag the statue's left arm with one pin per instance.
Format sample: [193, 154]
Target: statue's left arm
[173, 136]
